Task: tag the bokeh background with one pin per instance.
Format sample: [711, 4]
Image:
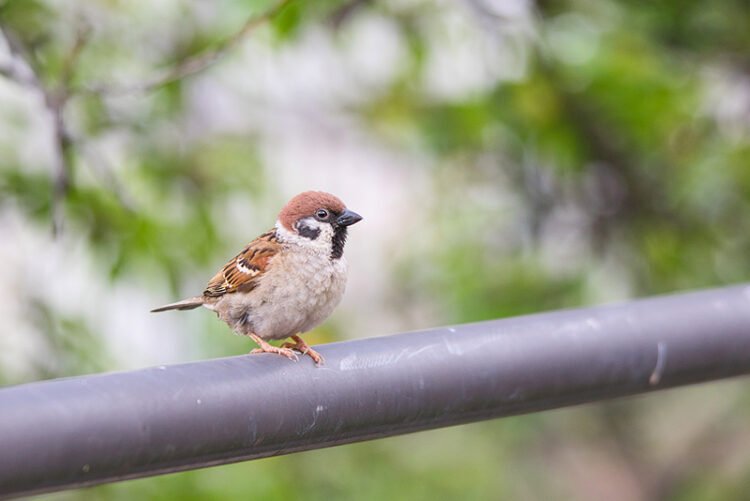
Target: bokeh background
[508, 156]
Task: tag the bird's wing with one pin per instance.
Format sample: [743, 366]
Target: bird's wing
[242, 272]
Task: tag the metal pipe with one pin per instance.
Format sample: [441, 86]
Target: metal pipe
[86, 430]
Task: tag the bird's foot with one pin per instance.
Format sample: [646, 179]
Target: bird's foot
[301, 346]
[268, 348]
[286, 352]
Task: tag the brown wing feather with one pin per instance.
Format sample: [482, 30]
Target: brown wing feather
[242, 272]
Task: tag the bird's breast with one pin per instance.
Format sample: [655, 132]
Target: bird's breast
[297, 294]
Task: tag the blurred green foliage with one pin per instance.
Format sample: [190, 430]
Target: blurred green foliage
[621, 152]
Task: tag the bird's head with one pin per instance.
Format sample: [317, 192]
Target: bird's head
[317, 219]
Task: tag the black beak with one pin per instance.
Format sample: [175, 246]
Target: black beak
[348, 218]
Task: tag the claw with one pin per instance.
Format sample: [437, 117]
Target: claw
[288, 349]
[288, 354]
[285, 352]
[317, 357]
[301, 346]
[267, 348]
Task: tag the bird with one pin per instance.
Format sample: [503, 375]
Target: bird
[287, 281]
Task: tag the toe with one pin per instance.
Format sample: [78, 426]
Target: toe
[285, 352]
[288, 354]
[317, 357]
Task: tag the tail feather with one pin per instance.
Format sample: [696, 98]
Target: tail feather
[186, 304]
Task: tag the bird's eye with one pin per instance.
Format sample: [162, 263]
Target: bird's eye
[321, 214]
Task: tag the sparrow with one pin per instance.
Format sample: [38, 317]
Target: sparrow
[288, 280]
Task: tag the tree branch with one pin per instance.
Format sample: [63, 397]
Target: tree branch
[192, 64]
[22, 69]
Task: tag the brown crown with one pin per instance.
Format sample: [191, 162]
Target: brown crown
[305, 204]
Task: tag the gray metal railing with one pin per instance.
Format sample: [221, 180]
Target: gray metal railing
[86, 430]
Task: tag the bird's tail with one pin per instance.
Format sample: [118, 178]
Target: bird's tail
[186, 304]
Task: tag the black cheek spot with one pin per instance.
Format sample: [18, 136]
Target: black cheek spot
[307, 232]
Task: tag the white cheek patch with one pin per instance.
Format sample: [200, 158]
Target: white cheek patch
[323, 238]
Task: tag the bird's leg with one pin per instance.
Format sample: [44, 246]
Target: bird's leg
[301, 346]
[267, 348]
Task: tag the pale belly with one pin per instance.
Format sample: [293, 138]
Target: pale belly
[290, 299]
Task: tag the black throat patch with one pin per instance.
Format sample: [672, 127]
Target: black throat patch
[307, 231]
[339, 239]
